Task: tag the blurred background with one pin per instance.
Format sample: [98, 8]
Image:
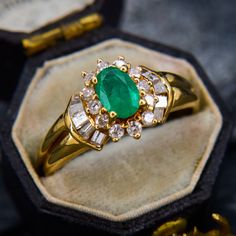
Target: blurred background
[207, 28]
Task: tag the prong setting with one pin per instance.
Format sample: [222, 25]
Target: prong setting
[83, 73]
[121, 58]
[99, 60]
[94, 80]
[112, 114]
[149, 113]
[142, 102]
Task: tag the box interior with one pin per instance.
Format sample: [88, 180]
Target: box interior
[26, 16]
[128, 178]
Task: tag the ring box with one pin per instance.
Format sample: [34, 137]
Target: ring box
[24, 19]
[130, 187]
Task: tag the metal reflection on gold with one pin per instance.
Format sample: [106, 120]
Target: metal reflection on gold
[40, 42]
[179, 228]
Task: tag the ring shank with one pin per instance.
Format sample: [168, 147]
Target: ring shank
[184, 94]
[58, 148]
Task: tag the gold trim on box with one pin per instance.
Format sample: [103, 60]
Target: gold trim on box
[40, 42]
[179, 227]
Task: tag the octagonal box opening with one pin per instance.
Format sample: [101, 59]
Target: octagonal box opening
[128, 187]
[24, 19]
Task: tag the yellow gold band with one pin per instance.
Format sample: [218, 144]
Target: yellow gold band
[63, 143]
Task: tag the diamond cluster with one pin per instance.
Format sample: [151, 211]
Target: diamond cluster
[96, 124]
[161, 95]
[83, 124]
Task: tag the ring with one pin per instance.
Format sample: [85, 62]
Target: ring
[117, 99]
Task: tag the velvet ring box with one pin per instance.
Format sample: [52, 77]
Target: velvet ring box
[21, 20]
[129, 187]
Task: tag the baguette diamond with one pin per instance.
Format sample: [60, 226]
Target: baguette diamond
[143, 85]
[150, 100]
[98, 138]
[77, 114]
[150, 76]
[79, 119]
[159, 87]
[162, 101]
[87, 130]
[159, 113]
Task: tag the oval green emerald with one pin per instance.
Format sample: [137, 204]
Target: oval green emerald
[117, 92]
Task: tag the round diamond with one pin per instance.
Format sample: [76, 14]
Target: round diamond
[134, 128]
[87, 93]
[150, 100]
[89, 77]
[143, 85]
[134, 72]
[116, 131]
[102, 65]
[119, 63]
[94, 106]
[102, 120]
[147, 118]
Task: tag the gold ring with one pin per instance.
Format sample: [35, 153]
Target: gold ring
[117, 99]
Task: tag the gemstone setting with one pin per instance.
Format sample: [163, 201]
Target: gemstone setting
[150, 100]
[98, 138]
[116, 132]
[143, 85]
[94, 106]
[87, 93]
[159, 113]
[135, 72]
[159, 87]
[118, 99]
[119, 63]
[134, 129]
[77, 114]
[117, 92]
[102, 65]
[148, 118]
[87, 130]
[88, 77]
[102, 120]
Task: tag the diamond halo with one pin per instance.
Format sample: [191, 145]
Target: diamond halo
[102, 124]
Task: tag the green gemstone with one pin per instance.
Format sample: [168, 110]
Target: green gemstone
[117, 92]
